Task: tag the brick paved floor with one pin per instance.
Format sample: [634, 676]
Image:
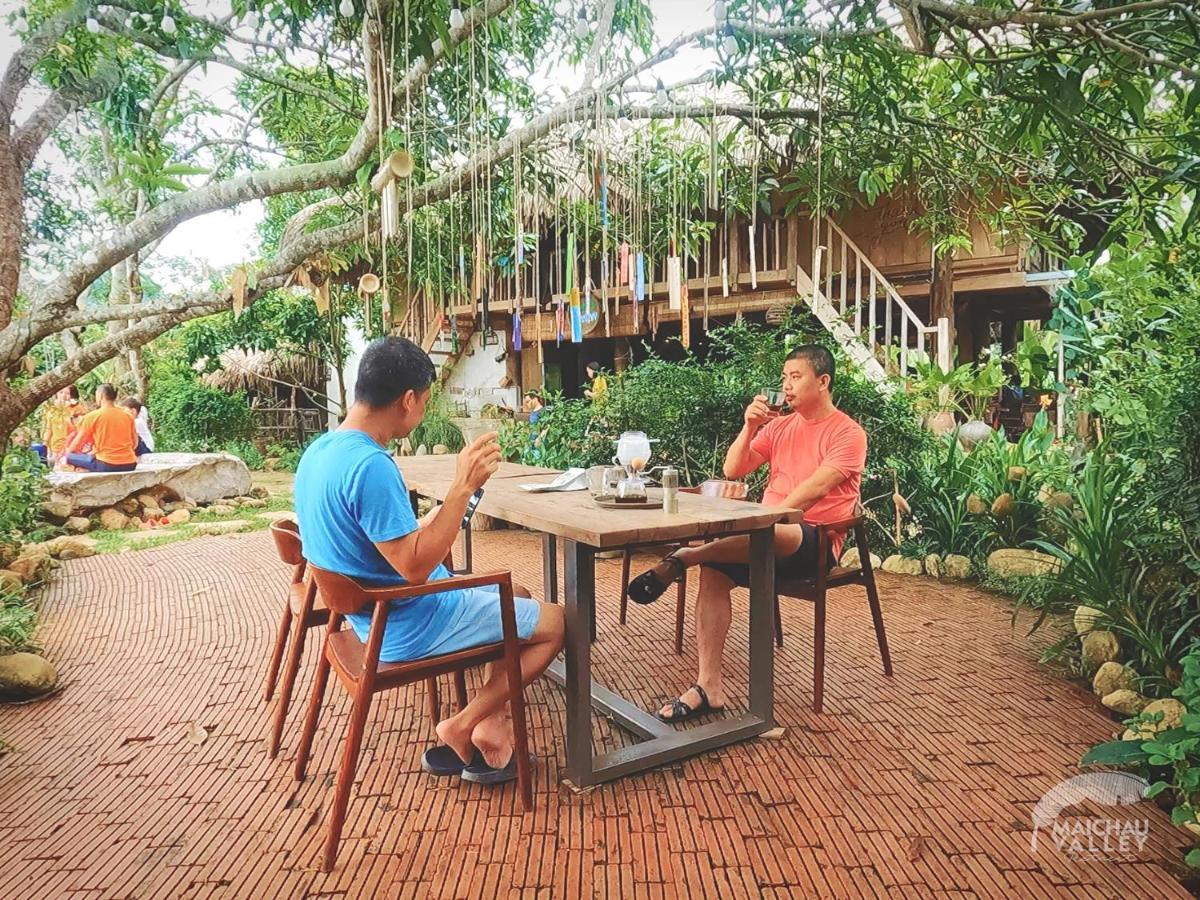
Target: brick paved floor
[919, 786]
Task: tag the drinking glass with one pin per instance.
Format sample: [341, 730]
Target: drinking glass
[775, 399]
[599, 484]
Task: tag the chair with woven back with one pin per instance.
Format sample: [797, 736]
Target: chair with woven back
[814, 590]
[361, 673]
[303, 608]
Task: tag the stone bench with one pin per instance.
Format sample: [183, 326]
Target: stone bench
[200, 477]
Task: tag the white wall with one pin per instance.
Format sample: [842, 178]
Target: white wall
[477, 376]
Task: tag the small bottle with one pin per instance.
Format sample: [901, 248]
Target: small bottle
[670, 483]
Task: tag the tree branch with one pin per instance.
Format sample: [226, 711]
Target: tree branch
[20, 67]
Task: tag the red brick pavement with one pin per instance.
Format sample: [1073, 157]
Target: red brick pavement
[920, 786]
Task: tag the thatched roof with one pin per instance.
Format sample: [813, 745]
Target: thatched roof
[263, 370]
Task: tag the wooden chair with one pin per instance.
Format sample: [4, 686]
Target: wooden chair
[730, 490]
[304, 609]
[362, 675]
[814, 590]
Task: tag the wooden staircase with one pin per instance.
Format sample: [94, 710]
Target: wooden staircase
[428, 326]
[863, 310]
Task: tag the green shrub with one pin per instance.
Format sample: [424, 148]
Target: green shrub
[436, 427]
[18, 622]
[288, 456]
[21, 489]
[190, 416]
[1170, 759]
[247, 453]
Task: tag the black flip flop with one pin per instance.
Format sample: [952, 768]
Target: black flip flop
[443, 762]
[648, 587]
[481, 773]
[681, 712]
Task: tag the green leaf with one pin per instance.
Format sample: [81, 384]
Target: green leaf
[1193, 858]
[363, 176]
[184, 169]
[1115, 753]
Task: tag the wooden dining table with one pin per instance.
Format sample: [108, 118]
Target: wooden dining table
[584, 528]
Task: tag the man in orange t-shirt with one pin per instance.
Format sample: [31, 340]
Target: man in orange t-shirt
[816, 454]
[111, 433]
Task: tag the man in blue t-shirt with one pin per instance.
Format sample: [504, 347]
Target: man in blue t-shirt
[356, 519]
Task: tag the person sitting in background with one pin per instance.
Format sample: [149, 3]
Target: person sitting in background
[141, 421]
[598, 383]
[60, 419]
[534, 406]
[111, 434]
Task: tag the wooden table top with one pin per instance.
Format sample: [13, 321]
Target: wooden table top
[574, 516]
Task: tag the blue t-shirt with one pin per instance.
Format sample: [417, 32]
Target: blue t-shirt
[349, 495]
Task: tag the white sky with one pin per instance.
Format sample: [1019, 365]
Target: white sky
[225, 238]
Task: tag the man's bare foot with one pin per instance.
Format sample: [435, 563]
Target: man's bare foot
[455, 735]
[692, 699]
[494, 739]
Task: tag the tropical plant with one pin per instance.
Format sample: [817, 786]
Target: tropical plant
[1170, 758]
[21, 490]
[191, 416]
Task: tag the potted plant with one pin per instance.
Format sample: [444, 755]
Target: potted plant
[975, 393]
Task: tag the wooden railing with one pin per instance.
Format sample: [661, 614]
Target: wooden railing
[422, 321]
[843, 275]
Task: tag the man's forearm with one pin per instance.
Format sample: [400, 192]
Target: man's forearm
[436, 537]
[737, 457]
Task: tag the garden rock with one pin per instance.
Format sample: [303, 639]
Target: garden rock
[221, 527]
[148, 501]
[1061, 500]
[30, 568]
[222, 510]
[956, 566]
[422, 451]
[1003, 505]
[941, 423]
[259, 492]
[1113, 676]
[976, 506]
[73, 548]
[25, 676]
[56, 511]
[271, 463]
[9, 550]
[1099, 647]
[440, 450]
[129, 506]
[1087, 618]
[1172, 717]
[252, 503]
[1124, 702]
[1014, 563]
[851, 559]
[199, 476]
[10, 582]
[179, 517]
[933, 565]
[113, 520]
[79, 524]
[901, 565]
[1016, 473]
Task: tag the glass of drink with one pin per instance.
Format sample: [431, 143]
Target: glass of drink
[775, 399]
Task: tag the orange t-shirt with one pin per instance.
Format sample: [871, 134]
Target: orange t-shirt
[796, 447]
[112, 433]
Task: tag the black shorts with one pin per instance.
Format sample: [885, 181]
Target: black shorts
[800, 565]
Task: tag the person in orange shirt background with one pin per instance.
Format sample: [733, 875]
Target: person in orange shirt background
[60, 420]
[110, 433]
[816, 455]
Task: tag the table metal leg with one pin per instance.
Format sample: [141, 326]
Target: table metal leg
[470, 565]
[550, 568]
[580, 598]
[762, 625]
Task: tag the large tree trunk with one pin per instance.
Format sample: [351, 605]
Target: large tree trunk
[941, 291]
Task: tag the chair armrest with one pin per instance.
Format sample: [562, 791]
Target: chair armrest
[457, 583]
[843, 525]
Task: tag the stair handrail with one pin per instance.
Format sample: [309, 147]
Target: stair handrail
[891, 291]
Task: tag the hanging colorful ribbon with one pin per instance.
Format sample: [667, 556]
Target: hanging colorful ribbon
[685, 320]
[623, 265]
[576, 317]
[673, 282]
[516, 331]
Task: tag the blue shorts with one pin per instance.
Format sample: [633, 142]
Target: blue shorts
[476, 620]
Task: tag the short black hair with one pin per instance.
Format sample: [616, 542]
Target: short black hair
[818, 357]
[73, 392]
[594, 366]
[132, 403]
[390, 367]
[107, 391]
[534, 393]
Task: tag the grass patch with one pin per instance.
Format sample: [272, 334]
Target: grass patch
[116, 541]
[18, 622]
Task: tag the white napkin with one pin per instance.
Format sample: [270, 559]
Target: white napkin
[570, 480]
